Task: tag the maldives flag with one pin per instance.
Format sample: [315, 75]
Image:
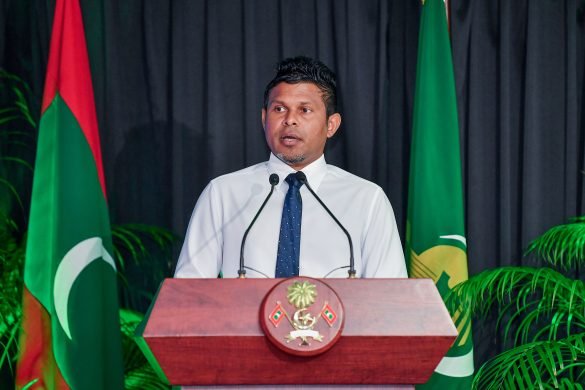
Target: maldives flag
[70, 335]
[276, 315]
[329, 315]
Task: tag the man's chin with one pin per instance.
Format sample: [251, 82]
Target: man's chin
[291, 159]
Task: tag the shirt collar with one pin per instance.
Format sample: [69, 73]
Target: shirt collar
[315, 171]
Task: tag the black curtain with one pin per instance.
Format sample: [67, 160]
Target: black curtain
[189, 80]
[519, 75]
[179, 88]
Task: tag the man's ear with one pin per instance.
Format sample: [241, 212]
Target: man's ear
[333, 123]
[263, 118]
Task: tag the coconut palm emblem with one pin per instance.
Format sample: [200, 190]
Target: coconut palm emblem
[302, 295]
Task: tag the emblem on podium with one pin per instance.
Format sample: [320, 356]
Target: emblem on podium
[316, 318]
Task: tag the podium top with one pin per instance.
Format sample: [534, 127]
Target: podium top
[208, 332]
[221, 307]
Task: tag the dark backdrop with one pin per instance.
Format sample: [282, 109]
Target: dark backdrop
[179, 87]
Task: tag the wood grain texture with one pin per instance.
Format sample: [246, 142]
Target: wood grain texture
[207, 332]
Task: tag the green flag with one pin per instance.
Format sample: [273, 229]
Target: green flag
[435, 233]
[70, 332]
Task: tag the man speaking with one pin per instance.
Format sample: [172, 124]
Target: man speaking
[299, 220]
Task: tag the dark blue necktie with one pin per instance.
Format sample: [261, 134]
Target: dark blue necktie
[289, 242]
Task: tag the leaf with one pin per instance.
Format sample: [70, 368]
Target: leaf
[138, 374]
[9, 345]
[562, 246]
[18, 161]
[13, 133]
[9, 118]
[29, 384]
[8, 109]
[132, 238]
[144, 379]
[23, 105]
[526, 298]
[547, 364]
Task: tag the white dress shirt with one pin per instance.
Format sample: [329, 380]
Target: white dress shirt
[228, 204]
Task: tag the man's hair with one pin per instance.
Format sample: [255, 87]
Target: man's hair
[306, 70]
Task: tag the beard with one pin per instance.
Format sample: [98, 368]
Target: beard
[291, 159]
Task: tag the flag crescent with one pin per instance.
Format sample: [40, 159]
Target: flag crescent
[456, 366]
[75, 261]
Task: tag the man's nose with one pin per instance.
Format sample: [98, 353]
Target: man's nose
[290, 119]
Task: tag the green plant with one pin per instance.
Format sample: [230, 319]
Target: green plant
[133, 243]
[541, 313]
[138, 374]
[17, 133]
[141, 247]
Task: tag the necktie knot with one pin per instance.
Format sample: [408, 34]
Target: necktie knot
[293, 181]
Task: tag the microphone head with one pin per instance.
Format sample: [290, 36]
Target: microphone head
[301, 177]
[273, 179]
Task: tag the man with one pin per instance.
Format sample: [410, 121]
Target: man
[294, 235]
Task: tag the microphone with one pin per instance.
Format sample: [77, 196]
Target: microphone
[273, 179]
[303, 179]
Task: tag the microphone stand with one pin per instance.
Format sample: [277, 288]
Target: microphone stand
[273, 179]
[303, 179]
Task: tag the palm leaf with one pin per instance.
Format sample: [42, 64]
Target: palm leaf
[18, 161]
[540, 364]
[562, 246]
[19, 110]
[30, 384]
[15, 133]
[138, 374]
[9, 118]
[8, 110]
[23, 106]
[12, 77]
[12, 259]
[144, 380]
[16, 122]
[135, 242]
[130, 238]
[528, 299]
[9, 341]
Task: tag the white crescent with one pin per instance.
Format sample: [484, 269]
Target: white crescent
[456, 237]
[75, 261]
[457, 366]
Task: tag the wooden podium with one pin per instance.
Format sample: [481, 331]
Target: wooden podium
[207, 332]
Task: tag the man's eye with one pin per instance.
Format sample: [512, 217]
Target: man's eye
[306, 109]
[279, 109]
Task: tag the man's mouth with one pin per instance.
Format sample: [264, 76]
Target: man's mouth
[290, 139]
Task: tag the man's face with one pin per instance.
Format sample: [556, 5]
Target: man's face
[296, 125]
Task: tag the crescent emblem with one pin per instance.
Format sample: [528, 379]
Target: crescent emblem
[457, 238]
[74, 262]
[457, 366]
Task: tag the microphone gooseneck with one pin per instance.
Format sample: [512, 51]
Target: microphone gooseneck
[273, 179]
[303, 179]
